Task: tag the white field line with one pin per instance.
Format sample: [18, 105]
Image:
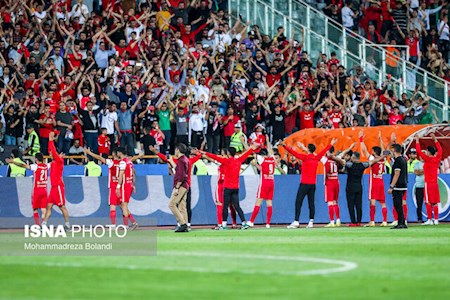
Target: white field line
[342, 266]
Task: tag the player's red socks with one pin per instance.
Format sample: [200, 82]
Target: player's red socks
[269, 214]
[112, 216]
[219, 209]
[254, 213]
[384, 213]
[36, 218]
[233, 214]
[372, 213]
[429, 211]
[436, 212]
[331, 212]
[125, 220]
[130, 216]
[337, 211]
[405, 212]
[394, 212]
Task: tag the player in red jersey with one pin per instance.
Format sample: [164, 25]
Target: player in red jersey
[431, 162]
[331, 180]
[113, 179]
[126, 186]
[57, 196]
[376, 183]
[218, 195]
[40, 179]
[266, 166]
[310, 161]
[232, 167]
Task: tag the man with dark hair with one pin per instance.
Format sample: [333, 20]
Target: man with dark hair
[399, 183]
[232, 168]
[355, 170]
[376, 183]
[177, 202]
[265, 163]
[432, 160]
[40, 175]
[310, 161]
[126, 185]
[57, 195]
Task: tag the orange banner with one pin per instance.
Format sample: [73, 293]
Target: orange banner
[322, 137]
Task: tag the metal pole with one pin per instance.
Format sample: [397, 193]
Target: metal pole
[266, 19]
[247, 4]
[445, 110]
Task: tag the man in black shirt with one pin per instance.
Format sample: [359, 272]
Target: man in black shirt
[355, 170]
[147, 140]
[399, 184]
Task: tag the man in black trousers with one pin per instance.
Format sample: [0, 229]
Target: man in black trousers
[399, 184]
[355, 170]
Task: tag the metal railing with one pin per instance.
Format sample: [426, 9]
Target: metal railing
[324, 35]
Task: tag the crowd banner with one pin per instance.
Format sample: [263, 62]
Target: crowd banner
[88, 197]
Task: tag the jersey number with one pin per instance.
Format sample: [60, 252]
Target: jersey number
[43, 177]
[271, 171]
[333, 169]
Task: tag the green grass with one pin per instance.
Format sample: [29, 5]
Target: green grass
[400, 264]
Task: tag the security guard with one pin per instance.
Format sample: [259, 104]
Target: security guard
[199, 168]
[238, 139]
[412, 160]
[33, 141]
[91, 169]
[14, 170]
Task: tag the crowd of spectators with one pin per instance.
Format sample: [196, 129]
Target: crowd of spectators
[155, 73]
[420, 24]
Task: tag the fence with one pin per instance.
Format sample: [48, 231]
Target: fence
[88, 197]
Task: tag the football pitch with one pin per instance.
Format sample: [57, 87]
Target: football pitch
[259, 263]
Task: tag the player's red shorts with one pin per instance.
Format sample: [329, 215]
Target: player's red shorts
[376, 191]
[39, 198]
[431, 192]
[126, 191]
[331, 191]
[219, 192]
[57, 196]
[113, 199]
[265, 190]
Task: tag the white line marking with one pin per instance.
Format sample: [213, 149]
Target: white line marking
[343, 266]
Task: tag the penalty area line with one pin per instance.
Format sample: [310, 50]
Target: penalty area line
[341, 265]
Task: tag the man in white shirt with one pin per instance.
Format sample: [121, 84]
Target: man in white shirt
[424, 13]
[348, 15]
[222, 39]
[110, 122]
[196, 125]
[80, 10]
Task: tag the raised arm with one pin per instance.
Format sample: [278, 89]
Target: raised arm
[217, 158]
[325, 150]
[419, 149]
[363, 145]
[246, 154]
[289, 149]
[87, 151]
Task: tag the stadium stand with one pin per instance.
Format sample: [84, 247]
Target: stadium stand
[162, 72]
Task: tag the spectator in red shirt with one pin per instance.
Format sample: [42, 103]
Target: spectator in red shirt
[47, 122]
[104, 143]
[228, 123]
